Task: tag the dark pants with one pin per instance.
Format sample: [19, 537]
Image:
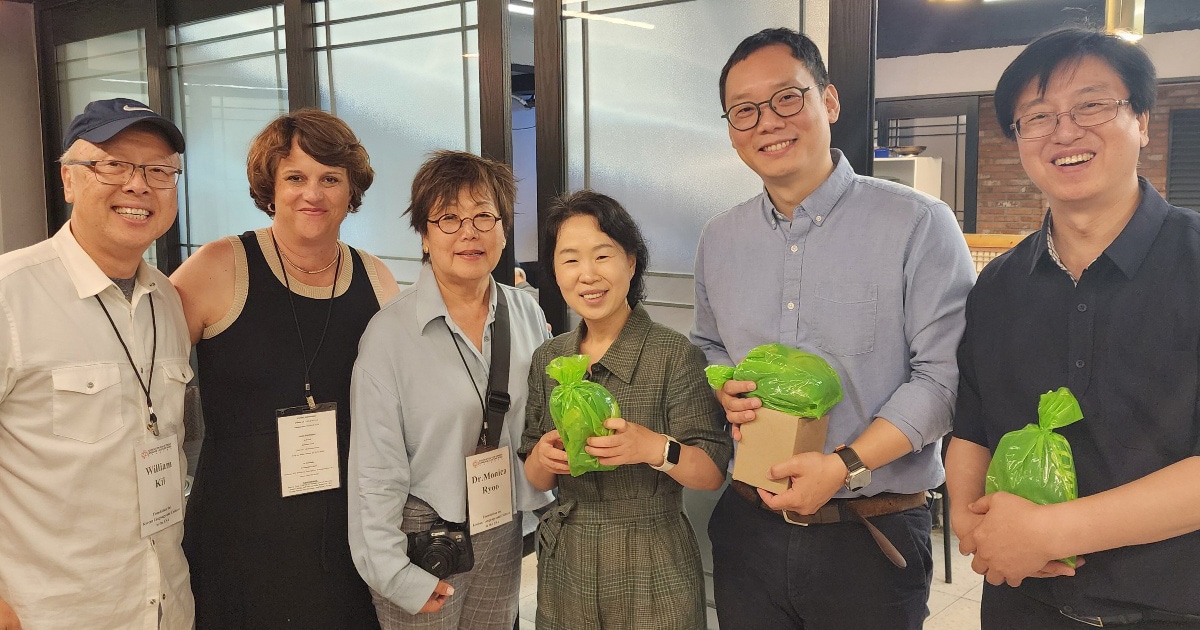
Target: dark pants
[768, 574]
[1007, 608]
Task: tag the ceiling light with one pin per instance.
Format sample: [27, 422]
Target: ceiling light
[1125, 18]
[527, 10]
[605, 18]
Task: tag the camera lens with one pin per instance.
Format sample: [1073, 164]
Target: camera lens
[441, 559]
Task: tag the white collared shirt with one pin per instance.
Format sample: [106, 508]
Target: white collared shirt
[71, 410]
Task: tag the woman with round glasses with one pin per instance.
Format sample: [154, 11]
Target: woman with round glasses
[276, 315]
[420, 397]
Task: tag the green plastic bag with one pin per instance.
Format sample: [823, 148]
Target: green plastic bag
[1036, 463]
[579, 409]
[792, 381]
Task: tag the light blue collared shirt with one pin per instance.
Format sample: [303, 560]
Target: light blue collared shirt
[415, 417]
[871, 275]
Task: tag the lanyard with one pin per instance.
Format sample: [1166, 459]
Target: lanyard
[153, 423]
[471, 377]
[498, 400]
[304, 360]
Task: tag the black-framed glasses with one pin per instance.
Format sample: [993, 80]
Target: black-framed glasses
[118, 172]
[1085, 114]
[786, 102]
[451, 223]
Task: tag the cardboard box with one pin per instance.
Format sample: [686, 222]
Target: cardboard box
[771, 438]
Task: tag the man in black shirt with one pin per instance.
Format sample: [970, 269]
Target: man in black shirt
[1103, 300]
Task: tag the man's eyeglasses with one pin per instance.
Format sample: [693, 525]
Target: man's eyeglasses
[119, 173]
[786, 102]
[451, 224]
[1086, 114]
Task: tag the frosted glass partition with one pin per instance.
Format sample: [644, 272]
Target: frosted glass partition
[112, 66]
[229, 78]
[405, 76]
[644, 126]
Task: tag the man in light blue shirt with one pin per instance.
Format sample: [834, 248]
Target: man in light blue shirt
[873, 277]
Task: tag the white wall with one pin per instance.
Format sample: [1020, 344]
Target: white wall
[22, 183]
[1174, 56]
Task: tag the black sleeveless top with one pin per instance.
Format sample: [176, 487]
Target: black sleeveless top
[259, 560]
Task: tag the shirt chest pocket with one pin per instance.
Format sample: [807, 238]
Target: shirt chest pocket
[845, 317]
[87, 402]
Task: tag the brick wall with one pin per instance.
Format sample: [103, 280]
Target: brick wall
[1009, 203]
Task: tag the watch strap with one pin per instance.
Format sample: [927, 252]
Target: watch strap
[853, 462]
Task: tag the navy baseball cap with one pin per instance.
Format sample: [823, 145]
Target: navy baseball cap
[101, 120]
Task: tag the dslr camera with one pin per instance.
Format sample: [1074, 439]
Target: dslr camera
[442, 550]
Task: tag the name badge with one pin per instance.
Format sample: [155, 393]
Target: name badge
[160, 491]
[489, 490]
[308, 456]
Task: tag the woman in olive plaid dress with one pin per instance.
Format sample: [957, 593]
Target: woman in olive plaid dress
[617, 552]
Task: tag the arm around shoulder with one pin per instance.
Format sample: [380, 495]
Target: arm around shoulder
[206, 283]
[704, 333]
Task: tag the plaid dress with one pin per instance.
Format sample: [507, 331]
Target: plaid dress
[617, 551]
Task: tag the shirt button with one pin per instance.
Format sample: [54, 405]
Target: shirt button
[153, 601]
[791, 306]
[91, 385]
[1079, 363]
[795, 249]
[1082, 308]
[819, 218]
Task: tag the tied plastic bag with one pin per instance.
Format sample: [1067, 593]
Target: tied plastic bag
[579, 409]
[1036, 463]
[792, 381]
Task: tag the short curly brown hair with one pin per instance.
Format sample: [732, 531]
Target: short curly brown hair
[324, 137]
[446, 173]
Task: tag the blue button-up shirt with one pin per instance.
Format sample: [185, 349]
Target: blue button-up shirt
[871, 275]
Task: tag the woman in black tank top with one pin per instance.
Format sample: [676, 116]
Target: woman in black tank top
[276, 315]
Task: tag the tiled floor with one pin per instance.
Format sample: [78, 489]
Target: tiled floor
[951, 606]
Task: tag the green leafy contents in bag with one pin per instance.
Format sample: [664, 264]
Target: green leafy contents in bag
[792, 381]
[1036, 463]
[579, 409]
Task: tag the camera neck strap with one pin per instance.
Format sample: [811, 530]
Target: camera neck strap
[497, 402]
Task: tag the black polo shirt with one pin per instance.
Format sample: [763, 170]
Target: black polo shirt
[1126, 341]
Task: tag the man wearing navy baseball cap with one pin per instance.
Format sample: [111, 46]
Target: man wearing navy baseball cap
[93, 363]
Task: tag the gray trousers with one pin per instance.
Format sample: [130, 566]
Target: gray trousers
[485, 598]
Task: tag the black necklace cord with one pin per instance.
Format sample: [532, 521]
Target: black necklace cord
[304, 360]
[152, 425]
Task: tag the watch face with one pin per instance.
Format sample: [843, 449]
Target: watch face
[858, 480]
[673, 449]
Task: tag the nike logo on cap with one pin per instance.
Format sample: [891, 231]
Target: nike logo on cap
[137, 109]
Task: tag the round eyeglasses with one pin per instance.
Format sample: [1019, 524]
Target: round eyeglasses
[119, 173]
[1086, 114]
[451, 223]
[786, 102]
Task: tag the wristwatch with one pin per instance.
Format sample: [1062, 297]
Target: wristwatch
[670, 454]
[858, 476]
